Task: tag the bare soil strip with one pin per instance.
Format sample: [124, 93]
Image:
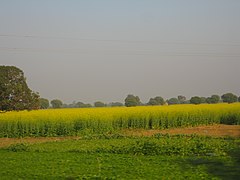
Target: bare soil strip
[5, 142]
[213, 130]
[219, 130]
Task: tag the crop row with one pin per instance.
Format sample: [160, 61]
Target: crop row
[68, 122]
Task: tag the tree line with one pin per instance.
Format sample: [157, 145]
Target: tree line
[16, 95]
[131, 101]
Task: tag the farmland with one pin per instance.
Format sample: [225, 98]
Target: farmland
[74, 122]
[121, 143]
[121, 157]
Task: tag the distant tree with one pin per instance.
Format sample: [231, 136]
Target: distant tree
[152, 102]
[229, 98]
[239, 99]
[72, 105]
[56, 103]
[203, 100]
[182, 99]
[44, 103]
[172, 101]
[82, 105]
[65, 106]
[156, 101]
[159, 100]
[213, 99]
[99, 104]
[132, 100]
[88, 105]
[195, 100]
[14, 91]
[115, 104]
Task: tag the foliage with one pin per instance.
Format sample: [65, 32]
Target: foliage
[115, 104]
[14, 91]
[44, 103]
[157, 157]
[172, 101]
[56, 103]
[18, 147]
[182, 99]
[99, 104]
[82, 105]
[229, 98]
[203, 100]
[156, 101]
[132, 100]
[213, 99]
[68, 122]
[195, 100]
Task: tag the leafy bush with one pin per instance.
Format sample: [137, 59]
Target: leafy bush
[18, 147]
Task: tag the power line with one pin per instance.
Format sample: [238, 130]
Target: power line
[120, 41]
[111, 52]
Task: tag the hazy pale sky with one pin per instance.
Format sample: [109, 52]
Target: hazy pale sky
[89, 50]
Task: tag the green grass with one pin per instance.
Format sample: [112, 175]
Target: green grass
[117, 157]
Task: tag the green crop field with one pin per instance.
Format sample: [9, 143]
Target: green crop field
[119, 157]
[101, 151]
[72, 122]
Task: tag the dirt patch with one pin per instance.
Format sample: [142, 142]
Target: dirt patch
[213, 130]
[5, 142]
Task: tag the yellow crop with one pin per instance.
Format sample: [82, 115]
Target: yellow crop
[63, 122]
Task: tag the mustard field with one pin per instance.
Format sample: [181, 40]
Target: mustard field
[73, 122]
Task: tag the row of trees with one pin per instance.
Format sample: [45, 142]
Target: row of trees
[16, 95]
[132, 100]
[56, 103]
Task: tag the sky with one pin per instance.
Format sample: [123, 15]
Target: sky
[91, 50]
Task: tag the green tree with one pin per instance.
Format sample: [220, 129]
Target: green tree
[156, 101]
[82, 105]
[152, 102]
[203, 100]
[172, 101]
[229, 98]
[44, 103]
[182, 99]
[99, 104]
[56, 103]
[213, 99]
[115, 104]
[195, 100]
[239, 99]
[159, 100]
[14, 91]
[132, 100]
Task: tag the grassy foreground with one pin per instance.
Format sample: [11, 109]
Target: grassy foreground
[119, 157]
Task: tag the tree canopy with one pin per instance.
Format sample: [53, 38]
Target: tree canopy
[14, 91]
[172, 101]
[213, 99]
[132, 100]
[229, 98]
[44, 103]
[196, 100]
[99, 104]
[56, 103]
[182, 99]
[156, 101]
